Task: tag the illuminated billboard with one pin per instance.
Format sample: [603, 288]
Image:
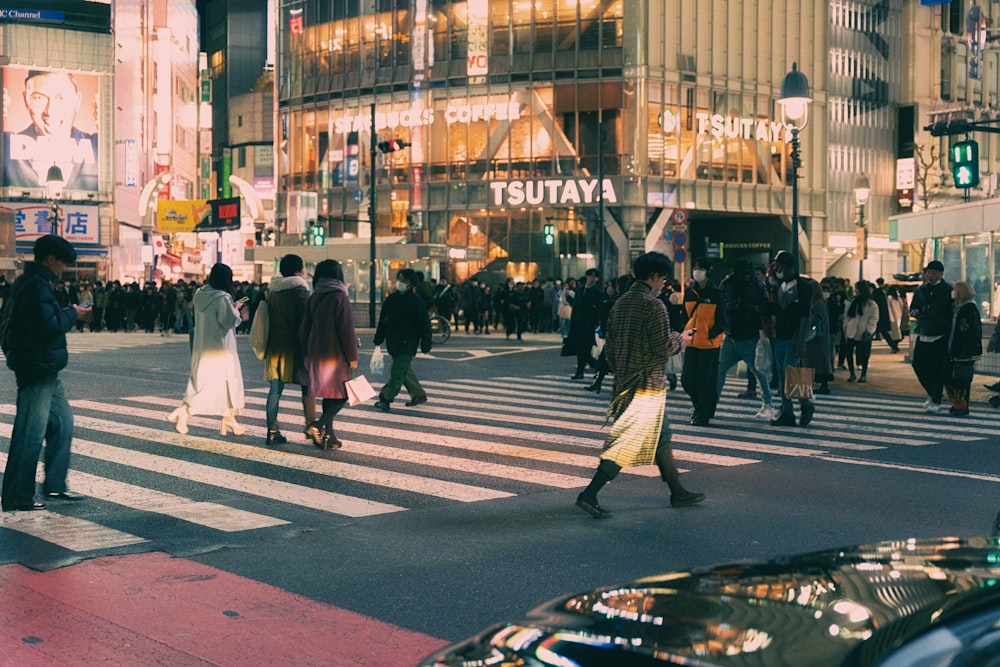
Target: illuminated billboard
[50, 117]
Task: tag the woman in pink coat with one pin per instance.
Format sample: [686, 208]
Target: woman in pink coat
[331, 348]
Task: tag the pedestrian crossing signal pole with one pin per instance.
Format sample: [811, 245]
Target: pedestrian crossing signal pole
[372, 209]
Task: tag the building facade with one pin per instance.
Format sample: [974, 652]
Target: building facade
[57, 61]
[598, 118]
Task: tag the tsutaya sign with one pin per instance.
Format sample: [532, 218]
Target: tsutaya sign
[417, 116]
[745, 128]
[551, 191]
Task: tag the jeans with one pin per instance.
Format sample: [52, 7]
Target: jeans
[786, 354]
[185, 321]
[401, 374]
[745, 351]
[43, 414]
[273, 399]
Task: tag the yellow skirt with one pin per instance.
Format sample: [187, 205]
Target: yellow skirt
[636, 433]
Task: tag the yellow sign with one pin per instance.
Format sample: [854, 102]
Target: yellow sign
[174, 215]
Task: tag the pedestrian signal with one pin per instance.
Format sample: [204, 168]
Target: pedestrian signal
[549, 234]
[965, 163]
[317, 235]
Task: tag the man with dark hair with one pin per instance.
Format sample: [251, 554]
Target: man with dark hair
[36, 354]
[404, 326]
[932, 307]
[746, 302]
[52, 99]
[639, 340]
[792, 309]
[706, 323]
[584, 320]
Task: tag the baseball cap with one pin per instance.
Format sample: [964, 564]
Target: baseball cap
[934, 266]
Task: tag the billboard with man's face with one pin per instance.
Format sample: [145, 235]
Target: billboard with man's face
[50, 117]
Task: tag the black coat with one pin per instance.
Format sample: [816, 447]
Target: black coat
[966, 338]
[586, 316]
[932, 306]
[404, 324]
[38, 326]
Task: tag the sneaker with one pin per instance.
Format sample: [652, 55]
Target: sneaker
[934, 408]
[926, 404]
[765, 412]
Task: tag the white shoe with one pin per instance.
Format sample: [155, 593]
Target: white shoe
[927, 403]
[765, 412]
[934, 408]
[180, 419]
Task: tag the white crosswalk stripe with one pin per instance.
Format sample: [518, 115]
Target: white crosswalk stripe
[474, 441]
[106, 341]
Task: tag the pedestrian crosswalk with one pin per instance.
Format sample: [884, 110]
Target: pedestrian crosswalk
[477, 440]
[107, 341]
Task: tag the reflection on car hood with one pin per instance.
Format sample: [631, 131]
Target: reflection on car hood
[837, 607]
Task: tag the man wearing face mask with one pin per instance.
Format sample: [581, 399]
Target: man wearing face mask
[404, 325]
[932, 307]
[746, 302]
[791, 309]
[706, 323]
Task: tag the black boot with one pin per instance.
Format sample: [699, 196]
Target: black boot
[587, 500]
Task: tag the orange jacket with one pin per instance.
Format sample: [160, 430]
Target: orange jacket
[706, 312]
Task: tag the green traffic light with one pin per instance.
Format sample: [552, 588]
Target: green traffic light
[965, 163]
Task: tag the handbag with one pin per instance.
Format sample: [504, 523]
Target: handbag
[799, 382]
[763, 357]
[359, 390]
[675, 363]
[962, 371]
[259, 330]
[567, 349]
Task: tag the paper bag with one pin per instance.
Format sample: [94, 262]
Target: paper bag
[359, 390]
[799, 382]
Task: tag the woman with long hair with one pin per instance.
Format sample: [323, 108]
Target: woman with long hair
[331, 348]
[860, 324]
[215, 386]
[965, 346]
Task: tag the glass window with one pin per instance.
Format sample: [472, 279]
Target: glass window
[977, 269]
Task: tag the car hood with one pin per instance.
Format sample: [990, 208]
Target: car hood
[846, 606]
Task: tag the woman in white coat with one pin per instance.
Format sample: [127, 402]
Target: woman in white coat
[215, 386]
[860, 323]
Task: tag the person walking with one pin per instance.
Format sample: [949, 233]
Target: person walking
[861, 321]
[330, 344]
[519, 303]
[746, 302]
[965, 346]
[584, 319]
[472, 296]
[878, 295]
[792, 309]
[284, 358]
[215, 386]
[639, 341]
[36, 352]
[818, 352]
[897, 307]
[706, 324]
[932, 307]
[564, 311]
[404, 326]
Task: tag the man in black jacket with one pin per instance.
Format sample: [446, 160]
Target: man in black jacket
[746, 302]
[403, 325]
[791, 310]
[36, 354]
[932, 308]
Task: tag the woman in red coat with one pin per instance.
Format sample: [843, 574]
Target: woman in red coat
[331, 348]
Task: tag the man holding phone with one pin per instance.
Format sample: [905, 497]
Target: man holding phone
[36, 353]
[706, 313]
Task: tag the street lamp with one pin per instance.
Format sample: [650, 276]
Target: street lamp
[794, 103]
[54, 183]
[862, 189]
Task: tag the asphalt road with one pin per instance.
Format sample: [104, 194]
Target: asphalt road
[447, 517]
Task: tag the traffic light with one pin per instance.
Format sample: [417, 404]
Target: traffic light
[392, 146]
[317, 234]
[549, 233]
[965, 163]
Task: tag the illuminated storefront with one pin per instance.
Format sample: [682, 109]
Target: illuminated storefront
[600, 117]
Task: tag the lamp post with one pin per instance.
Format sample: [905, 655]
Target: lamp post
[55, 183]
[862, 189]
[794, 103]
[372, 212]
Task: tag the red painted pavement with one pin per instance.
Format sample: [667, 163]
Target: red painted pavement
[151, 609]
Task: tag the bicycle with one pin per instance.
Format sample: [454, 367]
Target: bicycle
[440, 330]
